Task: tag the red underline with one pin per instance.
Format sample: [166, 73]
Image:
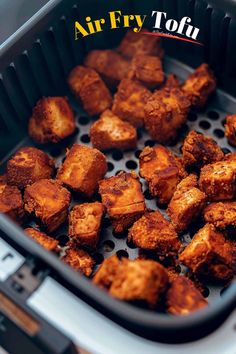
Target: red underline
[171, 36]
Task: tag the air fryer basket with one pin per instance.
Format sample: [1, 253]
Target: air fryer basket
[36, 62]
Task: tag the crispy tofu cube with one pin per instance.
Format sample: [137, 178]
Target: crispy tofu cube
[183, 297]
[186, 203]
[110, 132]
[49, 243]
[27, 166]
[11, 203]
[82, 169]
[148, 70]
[230, 129]
[165, 112]
[109, 64]
[85, 223]
[129, 101]
[106, 273]
[199, 150]
[123, 199]
[162, 170]
[153, 232]
[138, 44]
[221, 214]
[172, 81]
[217, 180]
[90, 90]
[208, 254]
[139, 280]
[79, 260]
[48, 201]
[52, 120]
[199, 85]
[231, 158]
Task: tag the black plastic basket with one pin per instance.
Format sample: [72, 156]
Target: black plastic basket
[35, 62]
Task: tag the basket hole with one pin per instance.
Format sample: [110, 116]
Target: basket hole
[20, 275]
[147, 195]
[55, 151]
[17, 287]
[122, 253]
[219, 133]
[110, 166]
[75, 132]
[223, 122]
[204, 124]
[117, 155]
[213, 115]
[131, 165]
[192, 117]
[130, 244]
[108, 246]
[83, 120]
[137, 153]
[206, 291]
[63, 239]
[98, 258]
[149, 143]
[120, 235]
[106, 222]
[178, 269]
[183, 130]
[226, 150]
[85, 138]
[223, 291]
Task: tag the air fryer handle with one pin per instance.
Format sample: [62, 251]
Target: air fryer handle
[23, 331]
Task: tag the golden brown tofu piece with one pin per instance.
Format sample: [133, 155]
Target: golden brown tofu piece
[123, 199]
[11, 203]
[208, 254]
[199, 150]
[221, 215]
[199, 85]
[109, 64]
[85, 223]
[186, 203]
[230, 129]
[129, 101]
[90, 90]
[79, 260]
[48, 201]
[162, 170]
[111, 132]
[183, 297]
[49, 243]
[52, 120]
[148, 70]
[165, 113]
[139, 280]
[217, 180]
[138, 44]
[82, 169]
[172, 81]
[153, 232]
[27, 166]
[106, 273]
[231, 158]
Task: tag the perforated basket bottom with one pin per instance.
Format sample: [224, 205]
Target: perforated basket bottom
[209, 121]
